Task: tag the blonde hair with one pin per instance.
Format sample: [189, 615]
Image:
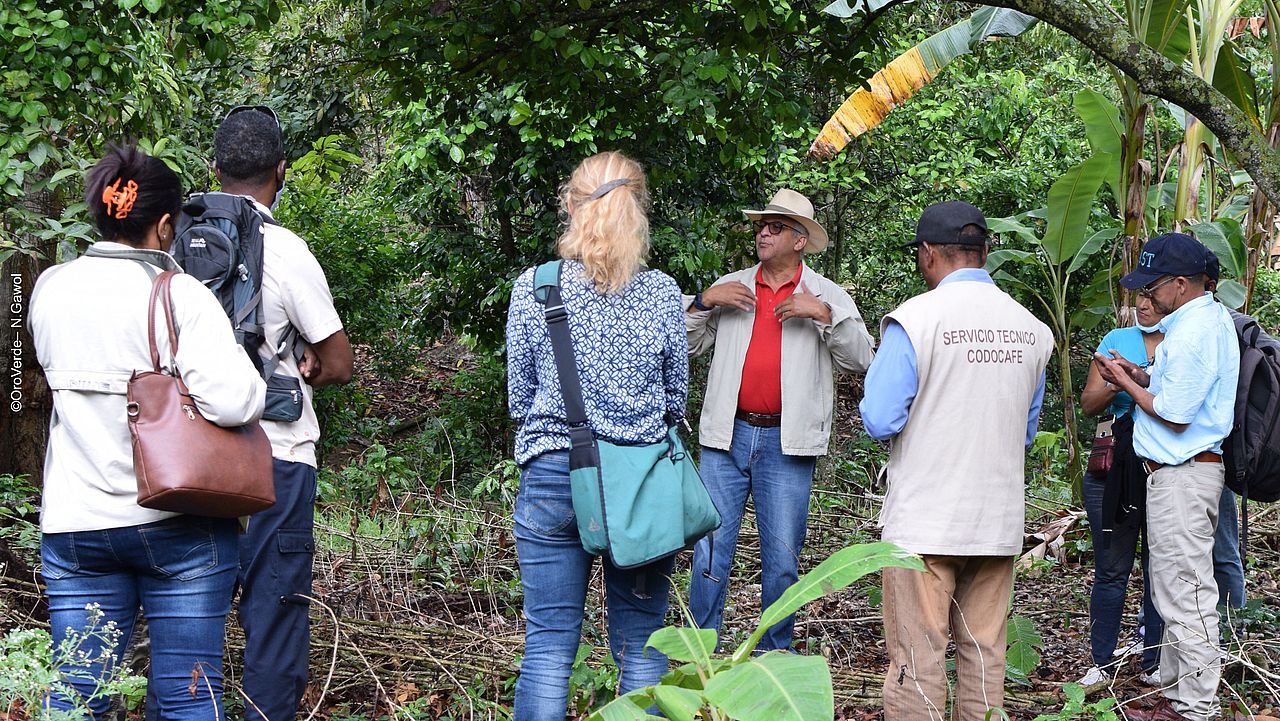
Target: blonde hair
[608, 234]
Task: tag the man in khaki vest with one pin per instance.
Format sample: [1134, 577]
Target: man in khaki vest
[779, 330]
[957, 386]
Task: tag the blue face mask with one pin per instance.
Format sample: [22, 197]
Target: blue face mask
[279, 192]
[1148, 328]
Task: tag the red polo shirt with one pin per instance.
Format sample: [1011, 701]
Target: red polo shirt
[761, 389]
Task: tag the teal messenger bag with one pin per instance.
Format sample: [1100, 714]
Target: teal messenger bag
[638, 503]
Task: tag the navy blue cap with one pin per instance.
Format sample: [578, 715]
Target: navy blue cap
[941, 223]
[1170, 254]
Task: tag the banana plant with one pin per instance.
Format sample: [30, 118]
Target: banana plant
[774, 686]
[1209, 47]
[898, 81]
[1054, 257]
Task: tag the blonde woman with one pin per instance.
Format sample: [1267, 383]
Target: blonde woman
[628, 333]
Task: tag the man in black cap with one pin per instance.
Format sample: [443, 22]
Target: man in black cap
[957, 384]
[1187, 405]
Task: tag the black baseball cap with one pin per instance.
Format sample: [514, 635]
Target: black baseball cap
[1170, 254]
[940, 224]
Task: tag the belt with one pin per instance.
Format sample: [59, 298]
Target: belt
[760, 420]
[1201, 457]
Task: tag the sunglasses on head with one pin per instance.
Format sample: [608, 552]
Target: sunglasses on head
[775, 226]
[264, 109]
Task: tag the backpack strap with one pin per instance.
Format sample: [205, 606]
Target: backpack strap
[288, 346]
[546, 288]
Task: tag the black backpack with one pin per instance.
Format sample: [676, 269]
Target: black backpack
[219, 241]
[1251, 452]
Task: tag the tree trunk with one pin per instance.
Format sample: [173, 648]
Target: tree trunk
[27, 400]
[1259, 229]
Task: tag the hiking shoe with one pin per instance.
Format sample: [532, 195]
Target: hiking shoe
[1150, 678]
[1095, 677]
[1134, 646]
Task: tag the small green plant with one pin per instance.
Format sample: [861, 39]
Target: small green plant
[30, 669]
[18, 510]
[777, 686]
[1024, 643]
[589, 686]
[1075, 709]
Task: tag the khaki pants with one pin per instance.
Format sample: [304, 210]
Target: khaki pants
[966, 595]
[1182, 513]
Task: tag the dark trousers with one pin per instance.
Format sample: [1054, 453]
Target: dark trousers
[275, 576]
[1113, 563]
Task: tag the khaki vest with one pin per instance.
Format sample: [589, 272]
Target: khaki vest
[956, 471]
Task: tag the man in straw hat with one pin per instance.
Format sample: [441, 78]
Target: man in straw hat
[778, 328]
[957, 385]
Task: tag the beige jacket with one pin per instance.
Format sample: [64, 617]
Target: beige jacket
[809, 349]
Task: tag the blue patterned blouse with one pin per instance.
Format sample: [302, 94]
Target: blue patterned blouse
[632, 355]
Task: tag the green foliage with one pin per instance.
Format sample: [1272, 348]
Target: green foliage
[29, 669]
[774, 685]
[1075, 708]
[72, 77]
[1024, 644]
[589, 686]
[18, 510]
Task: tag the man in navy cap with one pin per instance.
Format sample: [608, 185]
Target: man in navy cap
[957, 384]
[1187, 405]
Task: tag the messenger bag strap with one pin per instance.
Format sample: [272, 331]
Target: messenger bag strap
[160, 289]
[562, 345]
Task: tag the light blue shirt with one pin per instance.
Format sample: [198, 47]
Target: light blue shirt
[893, 379]
[1131, 345]
[1194, 381]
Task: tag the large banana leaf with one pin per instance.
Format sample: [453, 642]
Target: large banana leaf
[1070, 204]
[1232, 78]
[898, 81]
[1225, 237]
[1167, 29]
[630, 707]
[839, 570]
[681, 643]
[678, 704]
[849, 8]
[778, 686]
[1101, 121]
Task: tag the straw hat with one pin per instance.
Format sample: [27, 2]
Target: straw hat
[793, 205]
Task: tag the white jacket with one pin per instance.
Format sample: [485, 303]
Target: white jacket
[809, 350]
[89, 323]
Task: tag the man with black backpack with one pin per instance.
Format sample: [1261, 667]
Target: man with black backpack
[303, 346]
[1187, 407]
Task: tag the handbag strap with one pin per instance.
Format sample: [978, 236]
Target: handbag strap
[546, 288]
[160, 289]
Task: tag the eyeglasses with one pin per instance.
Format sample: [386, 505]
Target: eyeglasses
[775, 226]
[1149, 291]
[264, 109]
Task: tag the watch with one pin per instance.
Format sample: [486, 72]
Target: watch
[697, 302]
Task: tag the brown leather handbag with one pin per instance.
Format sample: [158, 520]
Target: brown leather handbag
[1100, 456]
[183, 462]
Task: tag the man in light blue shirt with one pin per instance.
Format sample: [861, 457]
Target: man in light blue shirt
[957, 384]
[1187, 406]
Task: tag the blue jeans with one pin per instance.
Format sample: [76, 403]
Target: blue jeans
[555, 572]
[180, 572]
[779, 484]
[1112, 567]
[1228, 570]
[275, 576]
